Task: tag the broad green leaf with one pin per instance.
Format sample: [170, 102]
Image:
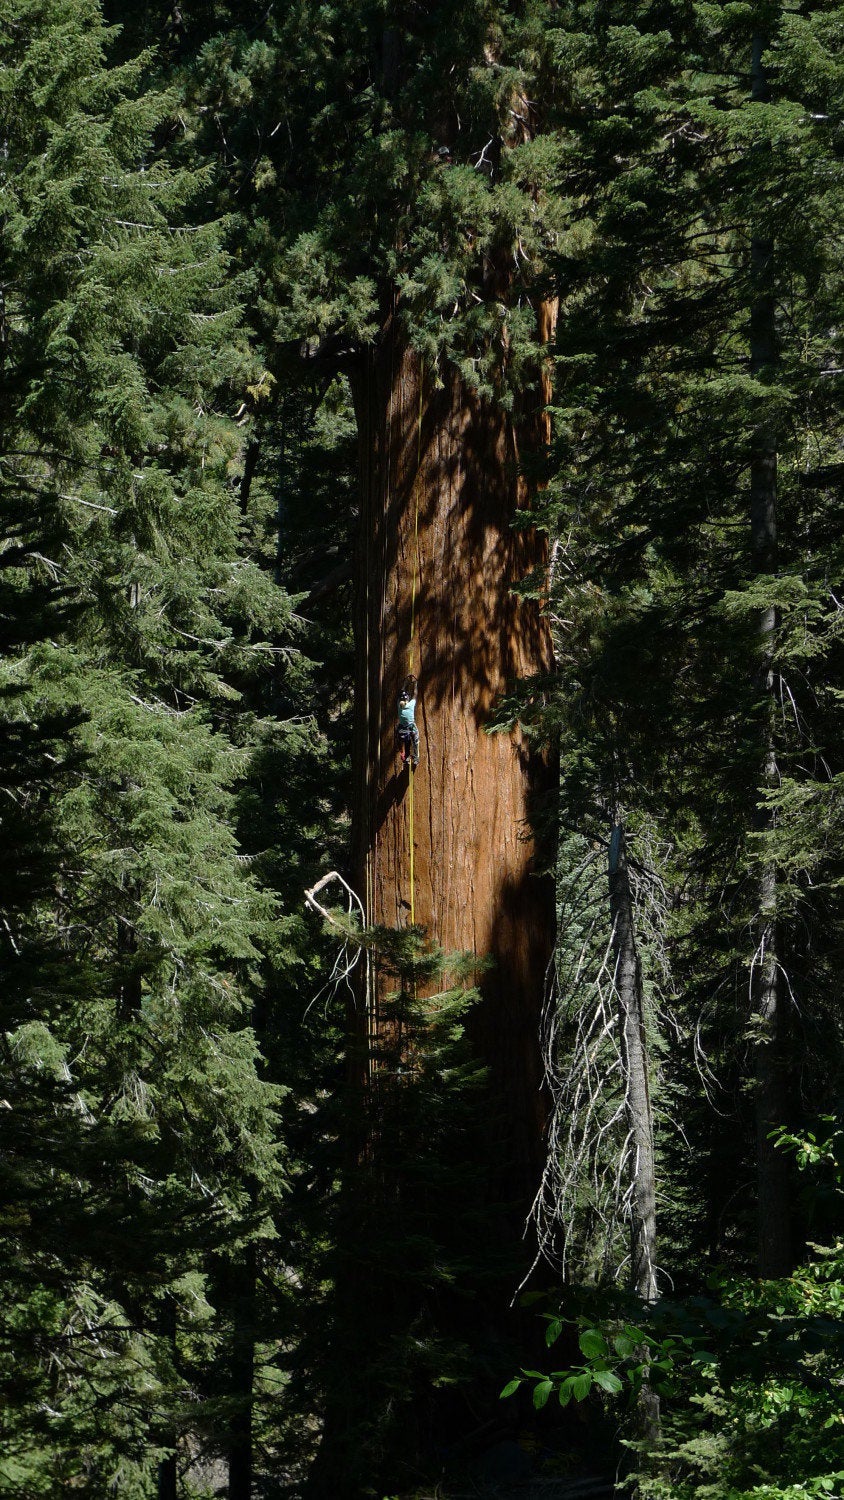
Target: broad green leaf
[592, 1343]
[542, 1392]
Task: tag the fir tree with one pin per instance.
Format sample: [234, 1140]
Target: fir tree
[134, 618]
[697, 283]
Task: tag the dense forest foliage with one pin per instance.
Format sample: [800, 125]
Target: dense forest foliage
[500, 342]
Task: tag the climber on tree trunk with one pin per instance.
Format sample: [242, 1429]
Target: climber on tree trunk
[406, 731]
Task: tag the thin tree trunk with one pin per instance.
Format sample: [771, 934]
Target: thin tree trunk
[628, 984]
[437, 566]
[130, 993]
[240, 1454]
[774, 1209]
[168, 1469]
[250, 465]
[168, 1478]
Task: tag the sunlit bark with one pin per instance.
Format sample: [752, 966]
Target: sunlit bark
[441, 487]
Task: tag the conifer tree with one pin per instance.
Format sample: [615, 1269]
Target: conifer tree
[697, 286]
[402, 153]
[275, 301]
[143, 1142]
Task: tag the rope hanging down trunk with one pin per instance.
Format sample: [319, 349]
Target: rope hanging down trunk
[411, 642]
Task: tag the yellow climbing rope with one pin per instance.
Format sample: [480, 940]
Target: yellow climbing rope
[411, 642]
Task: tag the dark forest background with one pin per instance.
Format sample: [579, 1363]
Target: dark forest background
[226, 1268]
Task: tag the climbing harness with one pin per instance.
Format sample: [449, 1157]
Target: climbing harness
[408, 746]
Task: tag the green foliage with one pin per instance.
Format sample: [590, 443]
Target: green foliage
[373, 153]
[750, 1375]
[207, 214]
[142, 1142]
[671, 173]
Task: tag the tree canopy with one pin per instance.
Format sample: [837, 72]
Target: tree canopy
[499, 342]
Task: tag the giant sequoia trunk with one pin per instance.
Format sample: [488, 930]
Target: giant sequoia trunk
[438, 563]
[438, 560]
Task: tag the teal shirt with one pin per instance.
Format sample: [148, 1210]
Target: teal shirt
[407, 713]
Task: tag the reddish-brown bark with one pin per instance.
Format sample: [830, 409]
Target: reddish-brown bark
[443, 456]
